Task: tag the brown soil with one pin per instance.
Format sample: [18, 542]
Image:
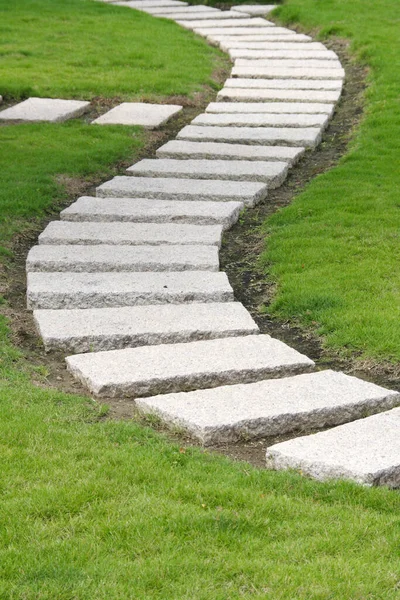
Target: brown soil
[242, 246]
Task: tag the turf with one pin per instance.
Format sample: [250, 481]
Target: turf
[335, 252]
[83, 49]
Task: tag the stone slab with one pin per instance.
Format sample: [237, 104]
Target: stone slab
[238, 30]
[266, 35]
[321, 55]
[235, 21]
[184, 10]
[164, 188]
[186, 150]
[290, 63]
[101, 290]
[275, 95]
[169, 368]
[44, 109]
[308, 137]
[139, 113]
[243, 108]
[261, 120]
[188, 17]
[130, 234]
[255, 9]
[268, 46]
[284, 84]
[270, 408]
[140, 210]
[288, 73]
[138, 4]
[366, 451]
[104, 258]
[97, 329]
[273, 173]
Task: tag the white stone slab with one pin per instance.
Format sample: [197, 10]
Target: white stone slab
[273, 173]
[308, 137]
[235, 21]
[139, 210]
[322, 55]
[255, 9]
[184, 189]
[96, 329]
[138, 4]
[104, 258]
[311, 108]
[189, 17]
[266, 35]
[184, 10]
[268, 46]
[161, 369]
[284, 84]
[130, 234]
[101, 290]
[366, 451]
[283, 63]
[44, 109]
[261, 120]
[275, 95]
[288, 73]
[138, 113]
[269, 408]
[186, 150]
[266, 31]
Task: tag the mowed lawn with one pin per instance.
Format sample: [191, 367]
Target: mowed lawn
[335, 252]
[92, 508]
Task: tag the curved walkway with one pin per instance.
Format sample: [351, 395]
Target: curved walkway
[127, 282]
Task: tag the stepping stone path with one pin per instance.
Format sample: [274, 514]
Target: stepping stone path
[138, 113]
[44, 109]
[128, 283]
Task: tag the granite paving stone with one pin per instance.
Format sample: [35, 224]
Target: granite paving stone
[268, 46]
[311, 108]
[278, 63]
[229, 414]
[104, 258]
[276, 95]
[273, 173]
[288, 73]
[366, 451]
[44, 109]
[284, 84]
[139, 4]
[139, 113]
[255, 9]
[261, 120]
[190, 10]
[152, 370]
[235, 21]
[97, 329]
[188, 17]
[322, 55]
[249, 35]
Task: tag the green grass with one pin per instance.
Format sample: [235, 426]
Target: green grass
[82, 49]
[335, 252]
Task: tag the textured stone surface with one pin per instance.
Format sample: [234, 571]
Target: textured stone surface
[288, 73]
[161, 369]
[290, 63]
[184, 189]
[44, 109]
[270, 408]
[103, 258]
[97, 329]
[100, 290]
[190, 10]
[209, 16]
[308, 137]
[321, 55]
[267, 46]
[233, 22]
[261, 120]
[131, 234]
[366, 451]
[248, 35]
[138, 113]
[138, 4]
[255, 9]
[310, 108]
[237, 29]
[185, 150]
[285, 84]
[258, 95]
[273, 173]
[141, 210]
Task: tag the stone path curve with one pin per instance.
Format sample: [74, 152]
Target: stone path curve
[127, 282]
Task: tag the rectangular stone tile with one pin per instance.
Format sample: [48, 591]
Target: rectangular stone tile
[138, 4]
[189, 17]
[105, 258]
[101, 290]
[273, 173]
[140, 210]
[97, 329]
[160, 369]
[164, 188]
[259, 95]
[44, 109]
[184, 10]
[186, 150]
[249, 35]
[269, 408]
[366, 451]
[237, 43]
[261, 120]
[235, 21]
[236, 29]
[291, 63]
[288, 73]
[255, 9]
[284, 84]
[138, 113]
[322, 55]
[308, 137]
[311, 108]
[131, 234]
